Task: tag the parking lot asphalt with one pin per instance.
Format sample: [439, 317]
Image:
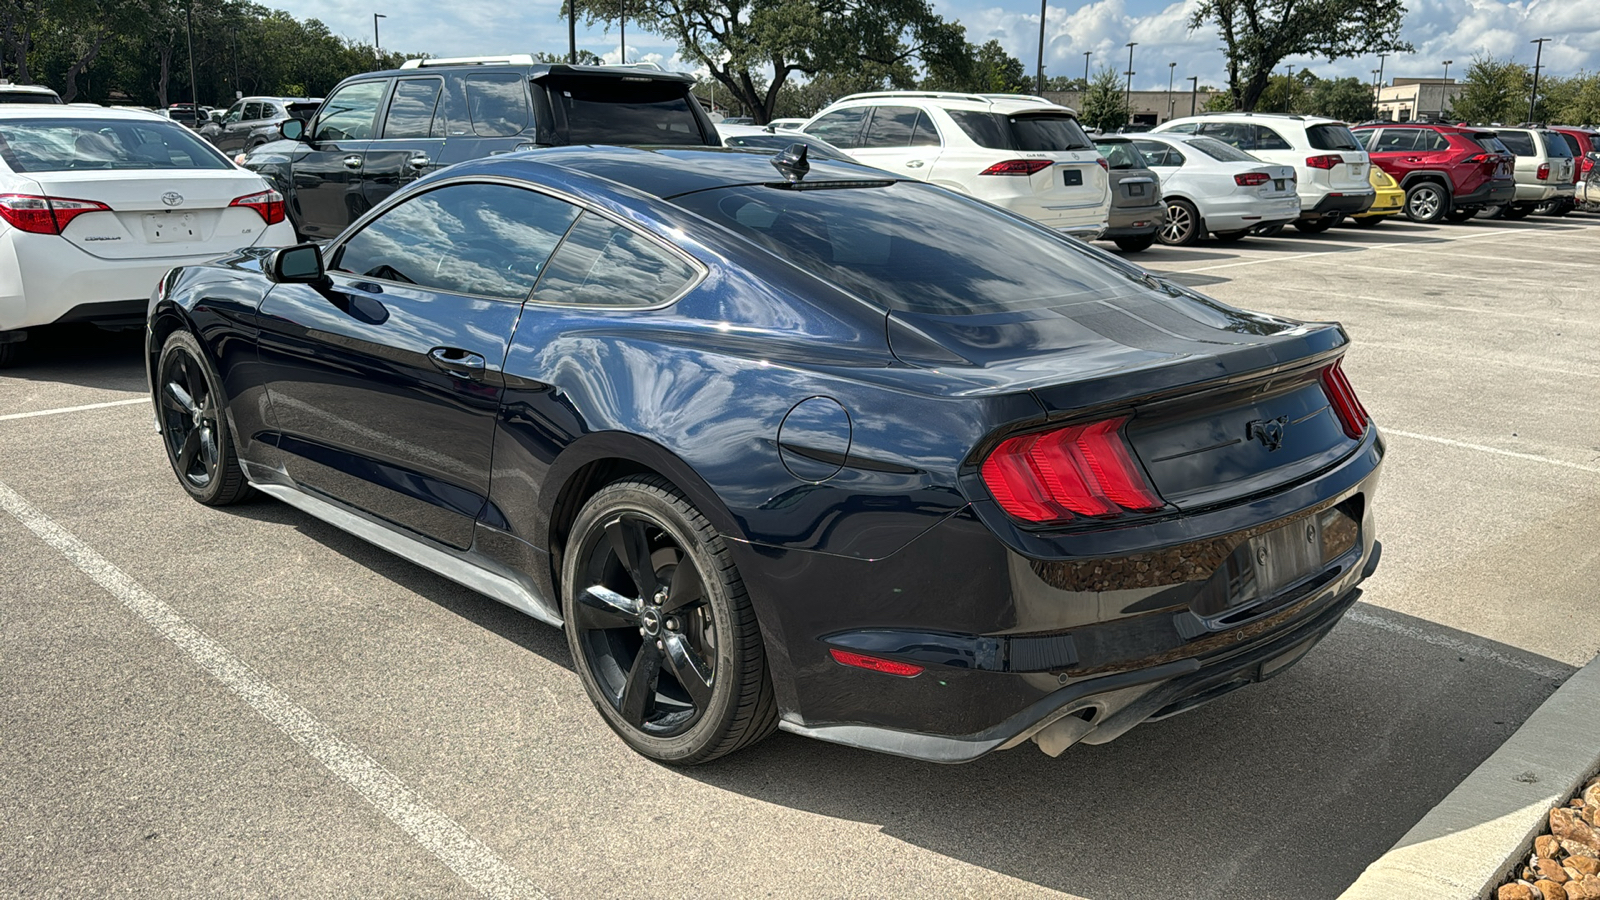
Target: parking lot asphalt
[248, 702]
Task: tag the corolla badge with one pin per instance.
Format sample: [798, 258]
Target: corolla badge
[172, 198]
[1268, 431]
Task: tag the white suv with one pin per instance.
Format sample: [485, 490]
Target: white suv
[1022, 153]
[1330, 166]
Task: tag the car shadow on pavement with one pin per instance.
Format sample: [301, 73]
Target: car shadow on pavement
[82, 355]
[1287, 789]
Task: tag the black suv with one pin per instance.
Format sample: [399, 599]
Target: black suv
[381, 130]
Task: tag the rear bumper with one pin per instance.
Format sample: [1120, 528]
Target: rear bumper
[1487, 194]
[1348, 203]
[1385, 203]
[1133, 221]
[1539, 193]
[1228, 214]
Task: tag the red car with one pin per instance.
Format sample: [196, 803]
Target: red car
[1585, 144]
[1448, 171]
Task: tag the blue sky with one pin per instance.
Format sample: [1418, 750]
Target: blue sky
[1440, 29]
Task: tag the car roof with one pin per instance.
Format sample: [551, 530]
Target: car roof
[26, 88]
[1251, 116]
[662, 171]
[535, 71]
[1000, 103]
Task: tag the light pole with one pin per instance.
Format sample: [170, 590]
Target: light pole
[622, 27]
[1039, 77]
[194, 89]
[1194, 92]
[1086, 54]
[1447, 63]
[375, 45]
[1381, 58]
[1172, 69]
[1127, 97]
[1538, 57]
[572, 34]
[1375, 74]
[1289, 103]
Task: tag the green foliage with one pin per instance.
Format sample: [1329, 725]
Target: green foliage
[1105, 104]
[754, 47]
[135, 52]
[1221, 102]
[1347, 99]
[1495, 91]
[988, 69]
[1063, 83]
[1260, 34]
[1570, 101]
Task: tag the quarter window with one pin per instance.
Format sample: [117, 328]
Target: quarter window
[411, 109]
[487, 239]
[602, 263]
[841, 128]
[349, 114]
[497, 103]
[925, 134]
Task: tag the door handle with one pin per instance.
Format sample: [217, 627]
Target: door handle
[420, 162]
[458, 362]
[352, 162]
[914, 164]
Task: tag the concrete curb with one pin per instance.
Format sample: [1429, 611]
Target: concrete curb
[1464, 847]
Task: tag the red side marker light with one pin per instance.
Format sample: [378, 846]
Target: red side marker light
[874, 664]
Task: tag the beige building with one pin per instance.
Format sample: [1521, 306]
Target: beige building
[1149, 107]
[1409, 99]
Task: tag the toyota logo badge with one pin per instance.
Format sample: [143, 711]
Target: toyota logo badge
[172, 198]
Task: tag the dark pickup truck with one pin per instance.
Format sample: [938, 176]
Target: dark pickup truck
[381, 130]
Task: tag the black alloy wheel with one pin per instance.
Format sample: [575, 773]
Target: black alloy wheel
[194, 428]
[1183, 224]
[1427, 202]
[1136, 243]
[1315, 226]
[663, 636]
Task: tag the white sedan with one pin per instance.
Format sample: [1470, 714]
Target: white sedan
[1213, 187]
[96, 206]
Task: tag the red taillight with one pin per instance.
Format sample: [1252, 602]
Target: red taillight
[1326, 161]
[1477, 158]
[44, 215]
[873, 663]
[1251, 179]
[1352, 415]
[269, 204]
[1544, 172]
[1081, 470]
[1018, 167]
[1103, 164]
[1585, 165]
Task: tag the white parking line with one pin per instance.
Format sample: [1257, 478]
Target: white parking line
[1595, 470]
[70, 409]
[1336, 250]
[475, 863]
[1554, 672]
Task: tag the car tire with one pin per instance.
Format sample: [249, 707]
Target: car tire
[1460, 215]
[670, 656]
[194, 424]
[1368, 221]
[1493, 211]
[1183, 226]
[1517, 212]
[1267, 231]
[1315, 226]
[1230, 237]
[1427, 202]
[1135, 243]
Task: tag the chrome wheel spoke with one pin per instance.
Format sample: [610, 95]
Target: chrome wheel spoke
[600, 607]
[176, 399]
[689, 668]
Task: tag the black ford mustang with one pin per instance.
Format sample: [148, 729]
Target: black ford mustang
[787, 443]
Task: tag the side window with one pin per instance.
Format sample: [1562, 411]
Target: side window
[497, 103]
[603, 264]
[411, 108]
[841, 128]
[235, 112]
[1396, 140]
[925, 134]
[1267, 139]
[487, 239]
[1185, 128]
[1364, 138]
[1237, 136]
[1433, 141]
[1155, 155]
[985, 129]
[349, 114]
[891, 126]
[1519, 143]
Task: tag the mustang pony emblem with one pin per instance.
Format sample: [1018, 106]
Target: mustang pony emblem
[1268, 431]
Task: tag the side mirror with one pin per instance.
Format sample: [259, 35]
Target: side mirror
[293, 129]
[300, 264]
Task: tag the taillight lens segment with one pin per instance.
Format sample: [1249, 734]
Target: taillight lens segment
[269, 204]
[1327, 161]
[44, 215]
[1544, 172]
[1352, 415]
[1251, 179]
[1080, 470]
[1017, 167]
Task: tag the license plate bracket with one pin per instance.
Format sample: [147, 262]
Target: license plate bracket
[1072, 177]
[166, 228]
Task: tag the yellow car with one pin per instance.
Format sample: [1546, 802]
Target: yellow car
[1391, 199]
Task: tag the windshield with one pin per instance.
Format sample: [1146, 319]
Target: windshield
[911, 247]
[1220, 151]
[58, 145]
[624, 112]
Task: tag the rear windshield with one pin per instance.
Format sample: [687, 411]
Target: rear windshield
[1121, 154]
[57, 145]
[610, 111]
[1218, 150]
[1034, 132]
[1572, 143]
[1555, 144]
[28, 97]
[911, 247]
[1518, 142]
[1331, 137]
[1491, 143]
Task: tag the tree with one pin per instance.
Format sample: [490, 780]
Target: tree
[585, 58]
[1260, 34]
[1573, 101]
[1346, 99]
[741, 41]
[1105, 106]
[1495, 91]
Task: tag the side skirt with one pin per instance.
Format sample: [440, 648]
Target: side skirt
[468, 568]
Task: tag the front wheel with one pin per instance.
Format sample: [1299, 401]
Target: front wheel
[1427, 202]
[194, 424]
[1183, 224]
[1135, 243]
[661, 630]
